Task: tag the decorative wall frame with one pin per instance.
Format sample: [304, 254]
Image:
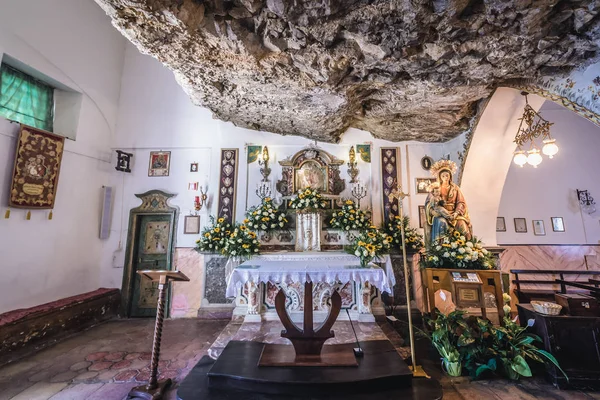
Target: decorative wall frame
[422, 217]
[500, 224]
[520, 225]
[538, 227]
[154, 202]
[36, 169]
[426, 163]
[364, 150]
[389, 177]
[253, 152]
[558, 225]
[228, 184]
[422, 184]
[159, 163]
[314, 167]
[191, 224]
[194, 167]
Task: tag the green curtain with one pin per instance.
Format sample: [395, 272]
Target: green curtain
[26, 99]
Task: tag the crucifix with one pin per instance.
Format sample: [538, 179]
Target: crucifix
[399, 195]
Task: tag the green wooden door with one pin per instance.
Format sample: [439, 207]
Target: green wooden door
[153, 244]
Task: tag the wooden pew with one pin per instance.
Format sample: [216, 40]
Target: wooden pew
[525, 295]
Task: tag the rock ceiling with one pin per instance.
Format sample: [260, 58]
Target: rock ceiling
[399, 69]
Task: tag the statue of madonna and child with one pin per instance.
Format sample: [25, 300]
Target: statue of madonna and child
[445, 206]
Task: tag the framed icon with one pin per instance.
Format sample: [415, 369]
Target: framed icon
[520, 225]
[191, 224]
[558, 224]
[422, 217]
[500, 224]
[538, 227]
[160, 163]
[426, 163]
[194, 167]
[423, 184]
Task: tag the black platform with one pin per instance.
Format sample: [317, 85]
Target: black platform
[235, 375]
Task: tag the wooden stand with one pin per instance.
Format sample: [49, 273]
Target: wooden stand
[439, 278]
[308, 342]
[154, 390]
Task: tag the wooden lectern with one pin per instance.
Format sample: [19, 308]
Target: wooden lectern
[154, 390]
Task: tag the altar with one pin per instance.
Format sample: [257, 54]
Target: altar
[256, 282]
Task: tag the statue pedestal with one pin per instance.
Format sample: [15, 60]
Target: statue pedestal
[308, 231]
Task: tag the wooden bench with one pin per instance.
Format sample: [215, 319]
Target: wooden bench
[549, 285]
[28, 330]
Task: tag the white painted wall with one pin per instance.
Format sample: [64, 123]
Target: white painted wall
[72, 42]
[155, 114]
[550, 189]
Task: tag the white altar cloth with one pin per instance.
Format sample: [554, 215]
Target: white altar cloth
[329, 267]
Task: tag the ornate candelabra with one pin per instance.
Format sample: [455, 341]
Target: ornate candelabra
[263, 161]
[586, 201]
[352, 170]
[200, 201]
[263, 190]
[358, 192]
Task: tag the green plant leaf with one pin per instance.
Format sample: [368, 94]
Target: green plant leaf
[550, 357]
[519, 365]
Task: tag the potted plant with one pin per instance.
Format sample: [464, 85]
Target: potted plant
[449, 332]
[307, 203]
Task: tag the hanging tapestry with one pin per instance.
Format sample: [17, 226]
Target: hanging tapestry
[227, 184]
[37, 164]
[389, 177]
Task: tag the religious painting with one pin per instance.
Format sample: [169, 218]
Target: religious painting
[426, 163]
[157, 237]
[364, 150]
[311, 175]
[500, 224]
[423, 184]
[253, 152]
[422, 217]
[538, 227]
[37, 165]
[191, 224]
[520, 225]
[558, 224]
[160, 162]
[194, 167]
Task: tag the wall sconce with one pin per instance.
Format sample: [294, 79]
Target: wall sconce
[352, 170]
[200, 201]
[263, 161]
[586, 201]
[123, 161]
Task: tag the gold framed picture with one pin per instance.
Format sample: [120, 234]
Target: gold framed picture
[160, 163]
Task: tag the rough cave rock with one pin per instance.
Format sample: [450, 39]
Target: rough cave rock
[400, 69]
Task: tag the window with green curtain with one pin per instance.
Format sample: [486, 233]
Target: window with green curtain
[26, 99]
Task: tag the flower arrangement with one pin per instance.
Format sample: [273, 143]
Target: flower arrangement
[370, 243]
[350, 217]
[308, 200]
[214, 237]
[412, 238]
[265, 217]
[454, 251]
[242, 242]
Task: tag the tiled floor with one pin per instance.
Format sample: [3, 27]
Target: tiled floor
[105, 362]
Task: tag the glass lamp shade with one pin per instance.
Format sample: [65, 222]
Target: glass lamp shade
[550, 148]
[534, 158]
[520, 158]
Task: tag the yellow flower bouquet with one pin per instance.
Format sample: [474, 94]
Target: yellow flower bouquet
[214, 237]
[453, 250]
[412, 238]
[242, 242]
[266, 217]
[369, 244]
[349, 217]
[308, 200]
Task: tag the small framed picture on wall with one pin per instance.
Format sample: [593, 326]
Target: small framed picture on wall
[500, 224]
[538, 227]
[422, 217]
[558, 224]
[520, 225]
[160, 163]
[191, 224]
[423, 184]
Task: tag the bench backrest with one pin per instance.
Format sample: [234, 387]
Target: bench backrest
[551, 281]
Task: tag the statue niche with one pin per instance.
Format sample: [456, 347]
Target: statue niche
[311, 167]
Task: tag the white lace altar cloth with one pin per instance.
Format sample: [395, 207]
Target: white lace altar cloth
[313, 267]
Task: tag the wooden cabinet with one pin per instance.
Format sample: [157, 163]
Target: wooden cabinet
[574, 341]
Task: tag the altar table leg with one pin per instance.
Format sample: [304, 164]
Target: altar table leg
[154, 390]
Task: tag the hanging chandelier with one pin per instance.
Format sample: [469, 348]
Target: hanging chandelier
[531, 127]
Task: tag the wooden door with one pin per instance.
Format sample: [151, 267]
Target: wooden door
[152, 251]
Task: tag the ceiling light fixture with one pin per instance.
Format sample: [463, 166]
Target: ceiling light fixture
[531, 127]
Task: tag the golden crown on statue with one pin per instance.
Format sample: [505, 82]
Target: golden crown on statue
[441, 165]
